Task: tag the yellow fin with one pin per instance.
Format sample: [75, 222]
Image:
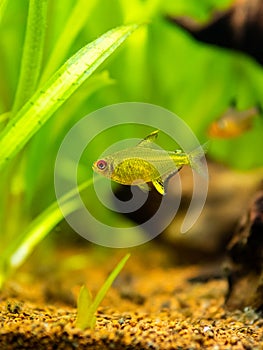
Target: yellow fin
[159, 185]
[148, 140]
[144, 187]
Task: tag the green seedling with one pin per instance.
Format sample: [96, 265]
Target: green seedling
[86, 307]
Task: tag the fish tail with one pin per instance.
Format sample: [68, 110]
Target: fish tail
[195, 159]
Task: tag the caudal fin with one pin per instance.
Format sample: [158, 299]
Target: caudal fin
[196, 158]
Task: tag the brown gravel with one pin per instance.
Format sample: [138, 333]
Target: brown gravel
[151, 306]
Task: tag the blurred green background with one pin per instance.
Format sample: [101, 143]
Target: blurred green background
[159, 63]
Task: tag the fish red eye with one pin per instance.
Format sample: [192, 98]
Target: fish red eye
[101, 164]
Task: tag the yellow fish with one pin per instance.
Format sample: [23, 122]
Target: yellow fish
[146, 162]
[233, 123]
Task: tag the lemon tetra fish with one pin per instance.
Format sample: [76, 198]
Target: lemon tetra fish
[147, 162]
[233, 123]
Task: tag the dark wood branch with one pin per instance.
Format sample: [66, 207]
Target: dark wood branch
[238, 28]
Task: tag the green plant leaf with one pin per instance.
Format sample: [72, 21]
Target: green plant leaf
[4, 117]
[75, 23]
[88, 319]
[83, 304]
[40, 149]
[3, 4]
[57, 90]
[17, 252]
[32, 53]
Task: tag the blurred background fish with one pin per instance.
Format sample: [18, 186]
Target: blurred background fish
[233, 123]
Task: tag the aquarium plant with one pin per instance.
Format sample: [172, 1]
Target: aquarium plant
[87, 307]
[53, 73]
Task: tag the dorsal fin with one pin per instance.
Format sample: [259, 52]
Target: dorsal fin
[148, 140]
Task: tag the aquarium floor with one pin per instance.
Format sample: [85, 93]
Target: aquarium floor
[152, 305]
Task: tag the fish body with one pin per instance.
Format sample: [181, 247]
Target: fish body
[144, 163]
[233, 123]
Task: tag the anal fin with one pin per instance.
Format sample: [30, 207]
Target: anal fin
[159, 185]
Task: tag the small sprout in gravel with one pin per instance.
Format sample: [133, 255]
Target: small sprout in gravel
[86, 307]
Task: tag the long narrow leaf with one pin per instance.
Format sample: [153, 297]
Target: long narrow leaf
[32, 52]
[71, 29]
[3, 4]
[4, 117]
[20, 249]
[58, 89]
[37, 149]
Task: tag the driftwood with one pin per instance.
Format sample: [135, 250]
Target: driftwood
[240, 27]
[245, 260]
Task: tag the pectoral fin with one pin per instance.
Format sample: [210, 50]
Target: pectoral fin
[159, 185]
[144, 187]
[148, 140]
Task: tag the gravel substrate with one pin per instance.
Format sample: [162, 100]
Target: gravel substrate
[149, 307]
